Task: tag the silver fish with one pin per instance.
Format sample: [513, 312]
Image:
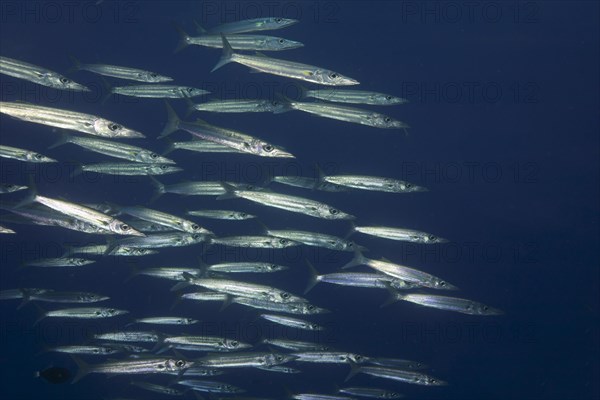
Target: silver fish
[142, 366]
[129, 169]
[82, 313]
[167, 321]
[88, 215]
[59, 262]
[205, 296]
[87, 350]
[400, 272]
[296, 345]
[412, 377]
[309, 183]
[287, 202]
[281, 368]
[240, 106]
[153, 387]
[316, 239]
[6, 230]
[347, 114]
[198, 188]
[24, 155]
[246, 267]
[170, 273]
[288, 69]
[373, 393]
[255, 242]
[330, 357]
[447, 303]
[207, 343]
[201, 146]
[62, 297]
[238, 360]
[171, 221]
[148, 227]
[114, 149]
[39, 75]
[292, 322]
[374, 183]
[227, 137]
[301, 308]
[405, 235]
[209, 386]
[129, 337]
[159, 240]
[159, 91]
[117, 71]
[314, 396]
[65, 119]
[337, 95]
[222, 214]
[250, 25]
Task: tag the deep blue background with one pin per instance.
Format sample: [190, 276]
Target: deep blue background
[504, 116]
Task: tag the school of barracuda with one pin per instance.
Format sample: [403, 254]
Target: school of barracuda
[194, 363]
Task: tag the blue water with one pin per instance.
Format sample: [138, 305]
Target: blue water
[504, 123]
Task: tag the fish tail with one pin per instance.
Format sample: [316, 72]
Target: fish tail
[314, 277]
[354, 369]
[134, 272]
[199, 28]
[26, 299]
[190, 106]
[75, 64]
[351, 231]
[393, 297]
[229, 192]
[41, 314]
[170, 147]
[183, 38]
[109, 90]
[31, 196]
[83, 370]
[227, 302]
[358, 259]
[172, 122]
[76, 172]
[64, 139]
[227, 55]
[180, 286]
[159, 189]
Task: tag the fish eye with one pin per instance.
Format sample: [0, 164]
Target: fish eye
[282, 241]
[388, 97]
[485, 308]
[387, 119]
[124, 227]
[281, 41]
[190, 90]
[243, 215]
[113, 127]
[333, 75]
[153, 75]
[285, 295]
[196, 236]
[195, 227]
[431, 237]
[180, 363]
[278, 358]
[333, 211]
[10, 186]
[358, 357]
[97, 313]
[442, 283]
[64, 80]
[163, 167]
[153, 155]
[268, 148]
[234, 343]
[278, 20]
[408, 185]
[311, 307]
[38, 156]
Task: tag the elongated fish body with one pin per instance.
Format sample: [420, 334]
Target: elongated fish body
[401, 272]
[153, 387]
[242, 42]
[412, 377]
[171, 221]
[244, 289]
[372, 393]
[255, 242]
[314, 396]
[130, 169]
[54, 218]
[238, 360]
[59, 262]
[222, 214]
[148, 226]
[129, 337]
[88, 215]
[447, 303]
[208, 343]
[398, 363]
[205, 296]
[365, 280]
[15, 294]
[11, 188]
[170, 273]
[24, 155]
[292, 322]
[167, 321]
[160, 240]
[315, 239]
[201, 146]
[130, 367]
[85, 313]
[374, 183]
[159, 91]
[405, 235]
[349, 114]
[288, 69]
[39, 75]
[117, 71]
[64, 297]
[202, 372]
[330, 357]
[5, 230]
[354, 97]
[309, 183]
[87, 350]
[248, 267]
[209, 386]
[71, 120]
[201, 188]
[300, 308]
[290, 203]
[252, 25]
[240, 106]
[281, 368]
[100, 250]
[296, 345]
[114, 149]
